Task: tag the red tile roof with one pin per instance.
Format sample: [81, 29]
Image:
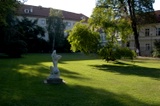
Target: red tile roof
[73, 16]
[39, 11]
[36, 11]
[158, 15]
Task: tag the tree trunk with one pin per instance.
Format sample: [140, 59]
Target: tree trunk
[54, 39]
[134, 24]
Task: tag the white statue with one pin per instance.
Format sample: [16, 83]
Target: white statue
[54, 70]
[54, 77]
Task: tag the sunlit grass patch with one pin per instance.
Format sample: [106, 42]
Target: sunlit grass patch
[90, 81]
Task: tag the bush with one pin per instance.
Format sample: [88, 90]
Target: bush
[16, 48]
[38, 45]
[110, 52]
[156, 51]
[124, 53]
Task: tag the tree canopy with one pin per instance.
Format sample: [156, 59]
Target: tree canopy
[7, 7]
[111, 23]
[7, 13]
[55, 28]
[83, 39]
[129, 10]
[28, 31]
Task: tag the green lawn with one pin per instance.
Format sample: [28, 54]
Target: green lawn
[89, 82]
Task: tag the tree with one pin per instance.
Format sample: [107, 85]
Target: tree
[131, 9]
[112, 25]
[28, 31]
[83, 39]
[56, 29]
[7, 12]
[156, 51]
[7, 7]
[9, 43]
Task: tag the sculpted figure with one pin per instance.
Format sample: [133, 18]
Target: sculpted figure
[55, 58]
[54, 70]
[54, 77]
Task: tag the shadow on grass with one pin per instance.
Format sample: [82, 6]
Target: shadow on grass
[130, 69]
[26, 88]
[73, 75]
[36, 58]
[121, 63]
[30, 93]
[77, 56]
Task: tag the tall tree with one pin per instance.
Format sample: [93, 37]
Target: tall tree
[30, 32]
[55, 28]
[9, 43]
[83, 39]
[7, 7]
[28, 29]
[131, 9]
[112, 25]
[7, 13]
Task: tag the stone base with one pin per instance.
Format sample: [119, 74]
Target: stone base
[54, 81]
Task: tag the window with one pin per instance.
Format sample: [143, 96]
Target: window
[146, 32]
[82, 17]
[26, 10]
[103, 37]
[68, 24]
[128, 44]
[147, 46]
[43, 22]
[157, 31]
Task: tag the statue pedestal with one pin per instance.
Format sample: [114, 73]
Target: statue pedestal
[54, 76]
[55, 81]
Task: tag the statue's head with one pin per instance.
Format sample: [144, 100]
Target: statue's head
[53, 53]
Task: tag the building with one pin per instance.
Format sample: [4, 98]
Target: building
[41, 13]
[147, 35]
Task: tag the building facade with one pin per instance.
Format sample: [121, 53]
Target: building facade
[41, 14]
[147, 35]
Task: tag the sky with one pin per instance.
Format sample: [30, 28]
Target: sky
[78, 6]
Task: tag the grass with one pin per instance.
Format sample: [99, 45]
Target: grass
[89, 82]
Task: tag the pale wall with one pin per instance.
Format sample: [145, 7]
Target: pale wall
[143, 40]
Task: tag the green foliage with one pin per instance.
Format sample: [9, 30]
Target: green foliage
[7, 13]
[111, 23]
[112, 52]
[16, 33]
[55, 29]
[7, 7]
[126, 53]
[156, 51]
[83, 39]
[16, 48]
[108, 52]
[28, 30]
[130, 10]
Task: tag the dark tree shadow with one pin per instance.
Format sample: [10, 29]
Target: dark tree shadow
[24, 89]
[121, 63]
[67, 95]
[70, 74]
[78, 56]
[130, 69]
